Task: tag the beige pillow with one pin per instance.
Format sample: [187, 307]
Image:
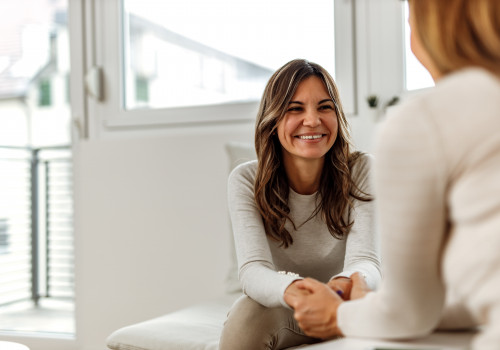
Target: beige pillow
[237, 153]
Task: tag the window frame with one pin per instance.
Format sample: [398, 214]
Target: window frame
[385, 51]
[105, 50]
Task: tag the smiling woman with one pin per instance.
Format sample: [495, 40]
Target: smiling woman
[292, 211]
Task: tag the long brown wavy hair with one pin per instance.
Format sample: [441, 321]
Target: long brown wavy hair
[271, 188]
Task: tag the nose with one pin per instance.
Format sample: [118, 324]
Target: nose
[311, 119]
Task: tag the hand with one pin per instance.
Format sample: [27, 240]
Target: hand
[316, 312]
[292, 292]
[342, 286]
[359, 286]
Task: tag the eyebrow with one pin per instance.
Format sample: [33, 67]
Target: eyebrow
[326, 100]
[320, 102]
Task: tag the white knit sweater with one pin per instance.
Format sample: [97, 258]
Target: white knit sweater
[437, 179]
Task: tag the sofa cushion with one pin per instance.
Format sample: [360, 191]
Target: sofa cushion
[194, 328]
[237, 153]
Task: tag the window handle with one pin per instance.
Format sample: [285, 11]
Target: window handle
[94, 83]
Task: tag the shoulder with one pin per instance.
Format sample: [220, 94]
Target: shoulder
[469, 82]
[361, 165]
[456, 94]
[243, 174]
[463, 91]
[428, 118]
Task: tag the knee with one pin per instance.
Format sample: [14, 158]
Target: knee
[250, 325]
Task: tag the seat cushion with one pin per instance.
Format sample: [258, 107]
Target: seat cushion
[194, 328]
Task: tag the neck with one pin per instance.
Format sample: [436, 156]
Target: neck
[304, 175]
[435, 73]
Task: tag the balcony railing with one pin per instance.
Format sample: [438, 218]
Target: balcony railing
[36, 224]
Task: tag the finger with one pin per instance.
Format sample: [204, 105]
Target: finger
[309, 284]
[312, 316]
[308, 327]
[338, 291]
[359, 287]
[297, 301]
[300, 285]
[342, 286]
[290, 299]
[359, 280]
[322, 332]
[335, 285]
[294, 290]
[309, 322]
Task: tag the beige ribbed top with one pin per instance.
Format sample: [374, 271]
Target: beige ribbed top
[314, 253]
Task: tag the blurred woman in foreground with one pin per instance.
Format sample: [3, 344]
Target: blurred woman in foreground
[437, 179]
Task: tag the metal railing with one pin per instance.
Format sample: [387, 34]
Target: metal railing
[36, 224]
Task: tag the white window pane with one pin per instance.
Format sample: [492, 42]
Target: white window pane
[198, 52]
[36, 231]
[417, 77]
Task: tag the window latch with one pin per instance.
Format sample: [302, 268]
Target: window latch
[94, 83]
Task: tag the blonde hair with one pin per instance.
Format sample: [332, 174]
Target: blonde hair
[459, 33]
[271, 188]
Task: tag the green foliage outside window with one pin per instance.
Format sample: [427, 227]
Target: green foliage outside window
[45, 93]
[141, 89]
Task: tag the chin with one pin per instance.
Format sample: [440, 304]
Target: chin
[313, 156]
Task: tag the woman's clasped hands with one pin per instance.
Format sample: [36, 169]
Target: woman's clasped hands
[316, 303]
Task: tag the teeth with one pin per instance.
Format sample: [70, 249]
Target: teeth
[310, 137]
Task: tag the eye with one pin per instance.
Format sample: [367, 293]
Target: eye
[294, 109]
[325, 107]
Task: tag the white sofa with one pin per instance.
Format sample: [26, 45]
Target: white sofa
[197, 327]
[194, 328]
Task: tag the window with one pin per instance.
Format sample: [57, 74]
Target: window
[45, 93]
[197, 61]
[194, 52]
[141, 89]
[416, 76]
[36, 226]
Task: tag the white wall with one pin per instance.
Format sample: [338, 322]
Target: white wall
[152, 230]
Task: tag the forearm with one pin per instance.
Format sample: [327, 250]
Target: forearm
[362, 246]
[380, 316]
[264, 285]
[410, 189]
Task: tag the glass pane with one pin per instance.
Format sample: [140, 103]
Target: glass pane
[198, 52]
[417, 77]
[36, 229]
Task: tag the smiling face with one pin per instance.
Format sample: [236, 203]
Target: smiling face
[309, 127]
